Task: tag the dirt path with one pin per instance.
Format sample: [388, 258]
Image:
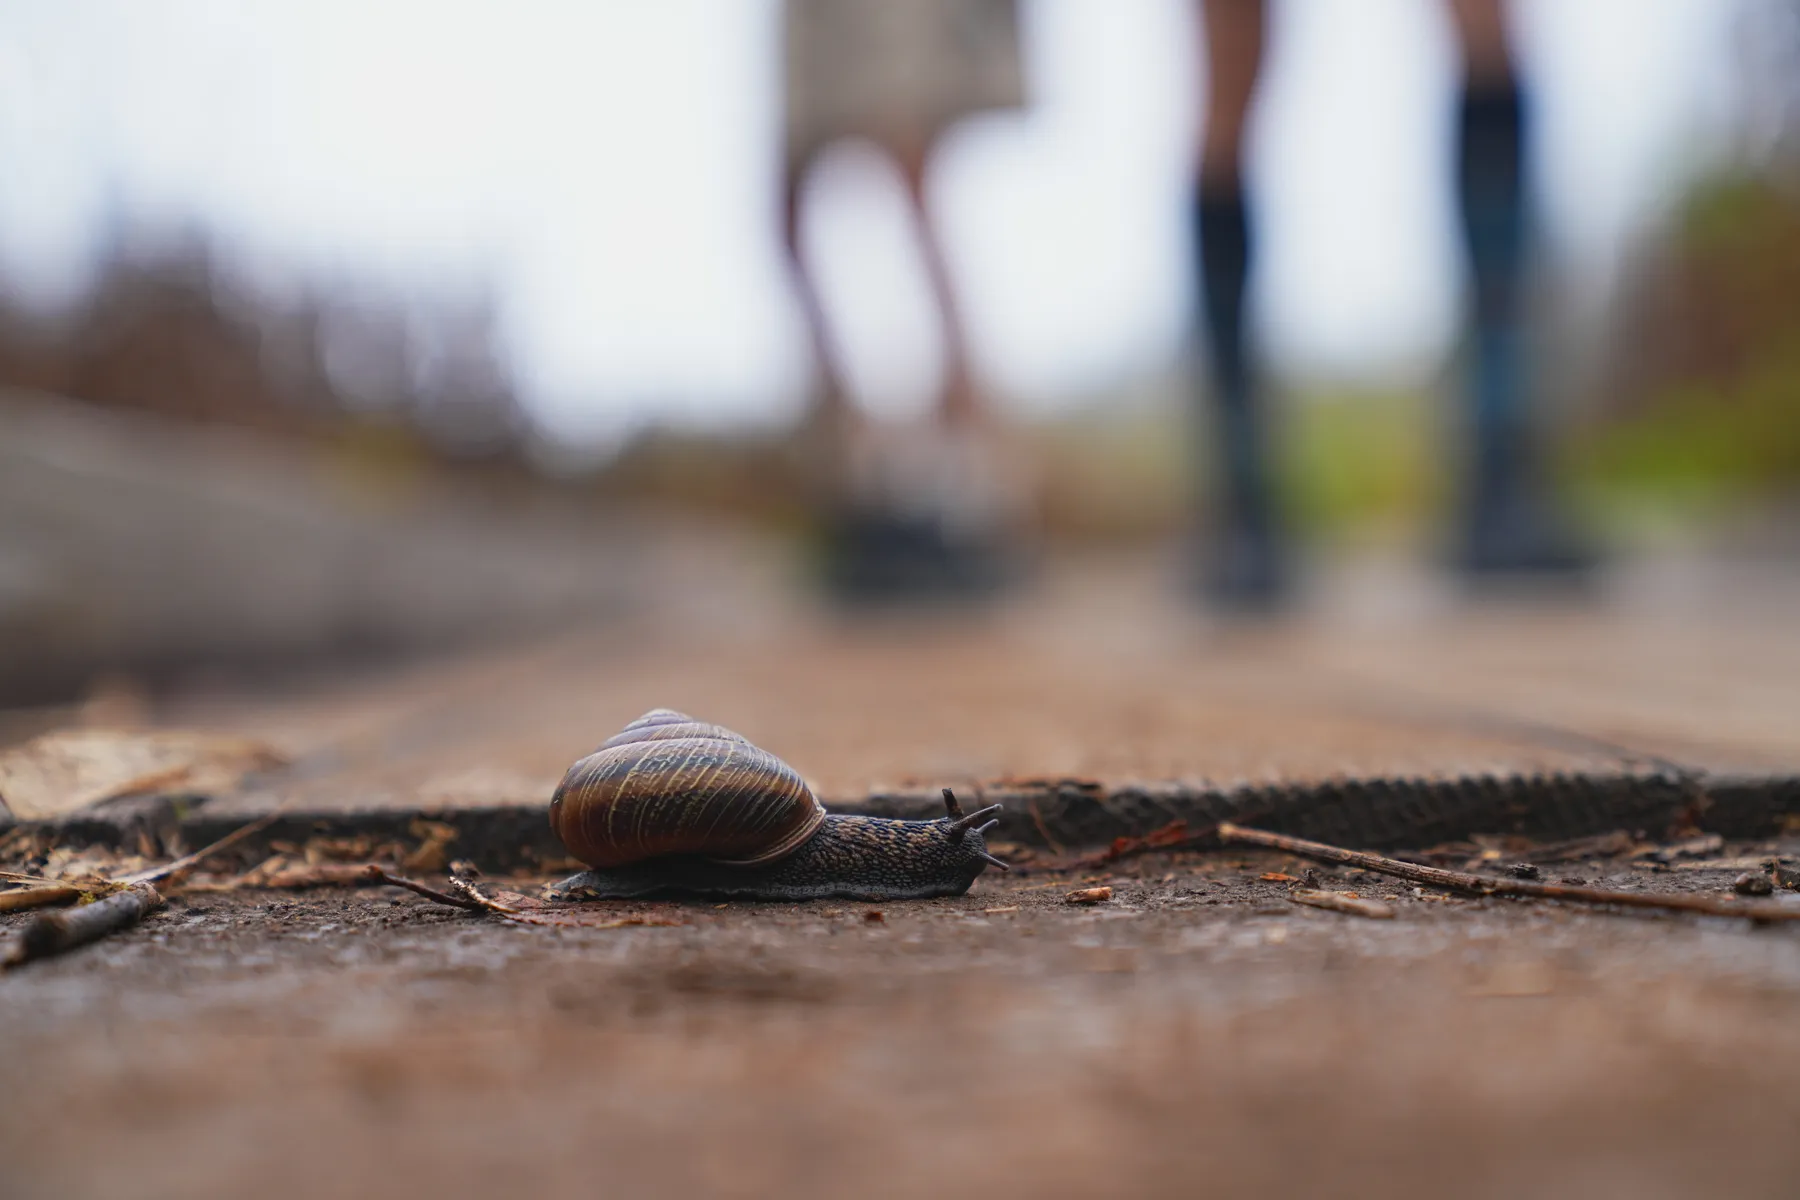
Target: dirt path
[1197, 1034]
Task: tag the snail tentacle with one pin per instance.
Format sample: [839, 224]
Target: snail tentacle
[965, 822]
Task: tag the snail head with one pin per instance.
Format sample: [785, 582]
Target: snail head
[968, 828]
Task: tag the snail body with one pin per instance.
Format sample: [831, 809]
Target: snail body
[671, 805]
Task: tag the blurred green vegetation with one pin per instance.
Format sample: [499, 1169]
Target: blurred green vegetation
[1693, 418]
[1698, 414]
[1365, 465]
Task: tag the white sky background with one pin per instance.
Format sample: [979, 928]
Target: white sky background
[610, 169]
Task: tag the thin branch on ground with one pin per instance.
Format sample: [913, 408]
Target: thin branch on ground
[1037, 819]
[25, 877]
[1352, 905]
[467, 898]
[53, 933]
[187, 862]
[38, 895]
[1173, 836]
[463, 887]
[430, 893]
[1483, 885]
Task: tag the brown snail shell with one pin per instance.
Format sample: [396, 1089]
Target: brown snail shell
[668, 784]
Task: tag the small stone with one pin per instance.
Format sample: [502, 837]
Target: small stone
[1522, 871]
[1749, 884]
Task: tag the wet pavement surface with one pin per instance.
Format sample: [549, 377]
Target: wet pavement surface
[1198, 1032]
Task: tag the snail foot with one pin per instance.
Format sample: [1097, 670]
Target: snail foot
[598, 885]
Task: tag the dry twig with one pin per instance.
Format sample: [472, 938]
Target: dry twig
[38, 895]
[467, 898]
[1337, 902]
[378, 875]
[1483, 885]
[1173, 836]
[187, 862]
[1037, 819]
[300, 876]
[52, 933]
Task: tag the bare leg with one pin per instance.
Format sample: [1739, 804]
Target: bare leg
[906, 525]
[958, 403]
[831, 408]
[1245, 567]
[1481, 33]
[1234, 36]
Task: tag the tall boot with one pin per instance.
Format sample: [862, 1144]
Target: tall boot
[1509, 522]
[1243, 564]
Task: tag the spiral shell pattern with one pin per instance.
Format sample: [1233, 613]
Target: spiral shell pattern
[668, 784]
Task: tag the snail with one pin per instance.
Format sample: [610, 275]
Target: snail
[672, 805]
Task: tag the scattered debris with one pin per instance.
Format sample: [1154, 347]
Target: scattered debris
[1783, 877]
[320, 862]
[38, 896]
[1523, 871]
[1483, 885]
[1037, 819]
[276, 874]
[1602, 845]
[1004, 908]
[874, 916]
[1748, 884]
[1173, 836]
[377, 875]
[462, 868]
[1496, 850]
[433, 852]
[71, 769]
[158, 874]
[1093, 895]
[52, 933]
[1339, 902]
[1695, 847]
[1278, 877]
[514, 907]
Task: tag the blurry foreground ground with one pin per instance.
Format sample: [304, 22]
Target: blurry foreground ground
[1198, 1034]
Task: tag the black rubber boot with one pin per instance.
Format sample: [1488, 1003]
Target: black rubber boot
[1242, 566]
[1510, 526]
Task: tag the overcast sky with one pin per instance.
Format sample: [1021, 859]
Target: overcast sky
[609, 169]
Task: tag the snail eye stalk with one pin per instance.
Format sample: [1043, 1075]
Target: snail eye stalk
[952, 809]
[964, 823]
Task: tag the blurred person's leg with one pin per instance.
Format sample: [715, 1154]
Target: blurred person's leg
[911, 510]
[830, 408]
[957, 403]
[954, 475]
[907, 514]
[1244, 563]
[1508, 522]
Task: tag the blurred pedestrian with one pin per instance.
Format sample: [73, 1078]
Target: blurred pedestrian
[919, 512]
[1508, 525]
